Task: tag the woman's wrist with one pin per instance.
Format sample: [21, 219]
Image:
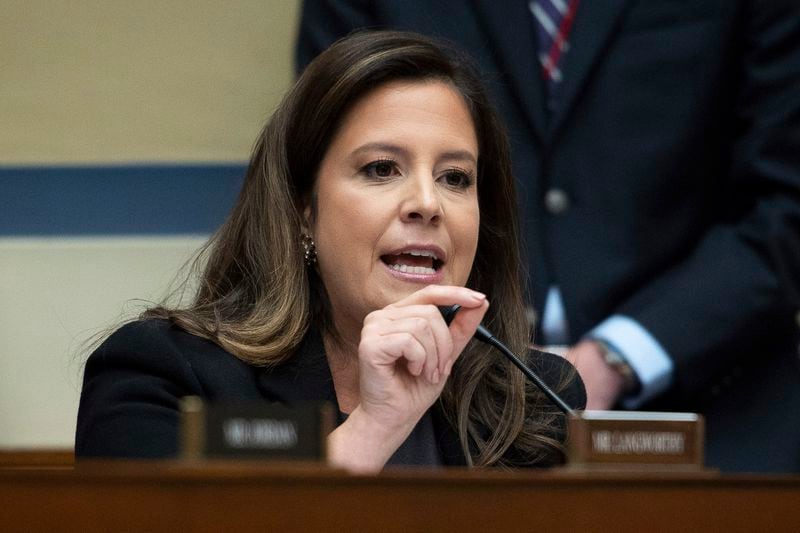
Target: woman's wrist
[362, 444]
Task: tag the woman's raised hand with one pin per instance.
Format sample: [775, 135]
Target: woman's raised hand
[405, 355]
[407, 351]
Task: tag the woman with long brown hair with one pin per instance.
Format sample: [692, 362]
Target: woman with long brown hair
[380, 189]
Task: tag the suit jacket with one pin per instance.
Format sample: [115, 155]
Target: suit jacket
[133, 382]
[673, 142]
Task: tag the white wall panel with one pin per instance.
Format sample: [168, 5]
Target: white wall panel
[55, 293]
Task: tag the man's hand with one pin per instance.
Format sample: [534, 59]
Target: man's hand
[604, 385]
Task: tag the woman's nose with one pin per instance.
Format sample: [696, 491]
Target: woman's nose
[422, 202]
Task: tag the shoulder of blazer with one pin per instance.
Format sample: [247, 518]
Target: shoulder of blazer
[156, 346]
[560, 376]
[133, 383]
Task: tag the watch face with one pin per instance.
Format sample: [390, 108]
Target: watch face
[611, 356]
[615, 360]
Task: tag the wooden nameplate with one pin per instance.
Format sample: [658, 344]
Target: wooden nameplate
[254, 430]
[636, 439]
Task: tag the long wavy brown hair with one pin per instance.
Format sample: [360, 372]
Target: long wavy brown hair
[257, 299]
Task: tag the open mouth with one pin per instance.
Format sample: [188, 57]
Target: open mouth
[414, 262]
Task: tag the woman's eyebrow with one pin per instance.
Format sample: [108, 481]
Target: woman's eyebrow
[457, 155]
[380, 147]
[460, 155]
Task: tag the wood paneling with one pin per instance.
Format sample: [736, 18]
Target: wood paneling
[175, 496]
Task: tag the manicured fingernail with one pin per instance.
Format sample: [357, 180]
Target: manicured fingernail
[436, 376]
[478, 296]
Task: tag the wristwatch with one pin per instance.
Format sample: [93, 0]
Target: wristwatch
[614, 359]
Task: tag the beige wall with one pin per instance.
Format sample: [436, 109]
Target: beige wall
[109, 81]
[114, 82]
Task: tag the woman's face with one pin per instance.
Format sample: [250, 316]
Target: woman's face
[396, 198]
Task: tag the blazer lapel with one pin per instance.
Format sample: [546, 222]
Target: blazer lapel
[592, 29]
[509, 29]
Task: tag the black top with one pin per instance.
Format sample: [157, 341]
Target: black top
[135, 379]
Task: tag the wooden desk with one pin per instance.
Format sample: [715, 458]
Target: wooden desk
[53, 458]
[174, 496]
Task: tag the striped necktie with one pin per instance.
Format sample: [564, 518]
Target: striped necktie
[553, 19]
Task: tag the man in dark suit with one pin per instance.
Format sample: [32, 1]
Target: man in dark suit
[649, 168]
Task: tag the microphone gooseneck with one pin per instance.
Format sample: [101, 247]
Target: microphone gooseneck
[485, 336]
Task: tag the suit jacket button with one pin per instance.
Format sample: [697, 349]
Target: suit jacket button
[556, 201]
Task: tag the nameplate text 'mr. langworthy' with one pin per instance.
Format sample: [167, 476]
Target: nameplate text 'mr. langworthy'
[617, 438]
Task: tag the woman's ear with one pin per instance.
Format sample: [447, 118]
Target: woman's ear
[307, 218]
[309, 212]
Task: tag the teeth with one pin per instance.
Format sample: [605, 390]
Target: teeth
[413, 269]
[422, 253]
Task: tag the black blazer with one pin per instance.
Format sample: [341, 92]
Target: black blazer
[674, 139]
[135, 379]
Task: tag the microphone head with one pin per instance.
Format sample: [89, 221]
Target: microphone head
[449, 312]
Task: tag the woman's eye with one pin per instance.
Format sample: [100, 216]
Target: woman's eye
[380, 169]
[458, 179]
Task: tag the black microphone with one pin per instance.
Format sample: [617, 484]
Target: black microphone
[485, 336]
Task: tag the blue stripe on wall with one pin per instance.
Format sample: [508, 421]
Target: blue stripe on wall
[114, 200]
